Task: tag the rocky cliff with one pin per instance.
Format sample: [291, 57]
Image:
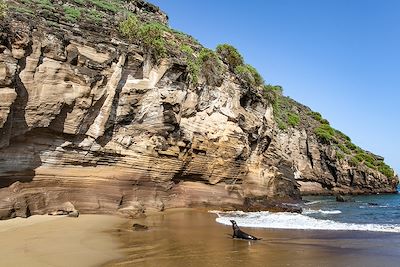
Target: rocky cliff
[94, 118]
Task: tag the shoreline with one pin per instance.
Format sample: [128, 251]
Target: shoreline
[183, 237]
[192, 237]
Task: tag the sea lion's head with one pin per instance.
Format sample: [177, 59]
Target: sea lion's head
[234, 225]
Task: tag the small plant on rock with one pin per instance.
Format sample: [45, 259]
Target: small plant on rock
[210, 65]
[72, 14]
[230, 56]
[272, 92]
[193, 65]
[293, 119]
[249, 74]
[325, 133]
[129, 28]
[152, 37]
[3, 9]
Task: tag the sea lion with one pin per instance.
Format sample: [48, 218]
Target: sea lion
[237, 233]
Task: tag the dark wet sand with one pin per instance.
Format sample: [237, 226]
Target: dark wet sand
[182, 238]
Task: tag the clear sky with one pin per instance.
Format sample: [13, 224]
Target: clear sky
[339, 57]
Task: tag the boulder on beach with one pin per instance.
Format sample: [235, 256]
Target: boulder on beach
[341, 198]
[67, 208]
[74, 213]
[139, 227]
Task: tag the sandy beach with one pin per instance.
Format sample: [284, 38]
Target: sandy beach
[59, 241]
[180, 238]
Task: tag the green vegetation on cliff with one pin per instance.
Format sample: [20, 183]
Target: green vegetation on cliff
[249, 74]
[192, 64]
[230, 56]
[272, 93]
[325, 133]
[3, 9]
[345, 149]
[72, 14]
[150, 35]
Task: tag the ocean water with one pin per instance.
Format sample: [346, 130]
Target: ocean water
[376, 213]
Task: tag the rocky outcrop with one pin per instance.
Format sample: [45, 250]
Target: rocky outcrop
[96, 122]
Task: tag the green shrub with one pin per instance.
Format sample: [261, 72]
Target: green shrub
[344, 149]
[272, 93]
[350, 145]
[72, 14]
[325, 121]
[45, 4]
[369, 165]
[184, 38]
[342, 136]
[293, 119]
[386, 170]
[129, 28]
[282, 125]
[281, 109]
[354, 162]
[187, 50]
[258, 80]
[244, 74]
[371, 162]
[23, 10]
[95, 16]
[318, 117]
[106, 5]
[364, 157]
[3, 9]
[230, 56]
[81, 2]
[210, 65]
[249, 74]
[339, 155]
[208, 55]
[193, 65]
[325, 133]
[152, 37]
[52, 24]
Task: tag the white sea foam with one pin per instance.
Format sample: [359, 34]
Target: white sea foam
[312, 202]
[376, 206]
[284, 220]
[309, 211]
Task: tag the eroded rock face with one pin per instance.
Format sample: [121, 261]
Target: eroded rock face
[98, 124]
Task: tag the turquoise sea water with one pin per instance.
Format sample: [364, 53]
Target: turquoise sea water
[372, 209]
[375, 213]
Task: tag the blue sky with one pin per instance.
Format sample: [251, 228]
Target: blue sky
[339, 57]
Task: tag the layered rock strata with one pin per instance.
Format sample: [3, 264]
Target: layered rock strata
[92, 120]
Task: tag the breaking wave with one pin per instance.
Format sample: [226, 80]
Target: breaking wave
[305, 212]
[312, 202]
[285, 220]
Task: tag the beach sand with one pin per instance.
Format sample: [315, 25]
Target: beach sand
[182, 238]
[59, 241]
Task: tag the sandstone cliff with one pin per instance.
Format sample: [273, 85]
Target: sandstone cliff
[89, 118]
